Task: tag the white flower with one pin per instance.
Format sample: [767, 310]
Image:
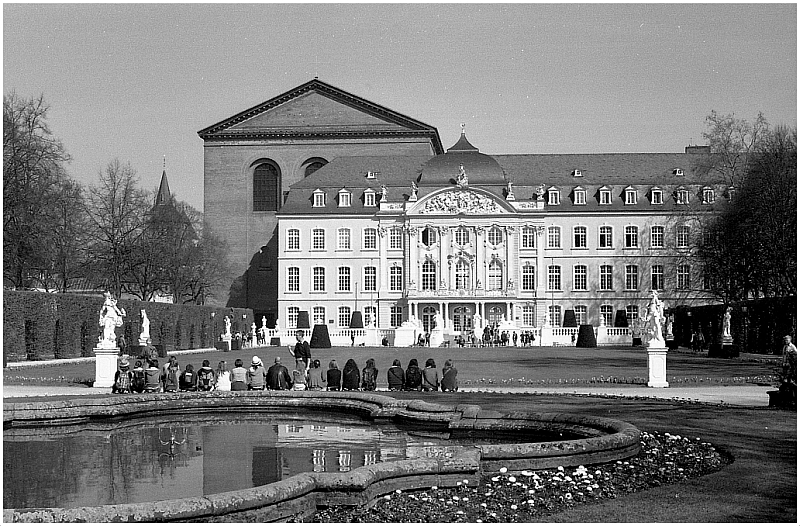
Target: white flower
[483, 504]
[568, 478]
[465, 499]
[455, 498]
[478, 520]
[531, 502]
[503, 469]
[398, 491]
[568, 496]
[512, 479]
[495, 479]
[434, 488]
[388, 497]
[530, 491]
[560, 468]
[465, 481]
[513, 506]
[458, 483]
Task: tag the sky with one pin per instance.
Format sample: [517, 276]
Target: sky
[138, 81]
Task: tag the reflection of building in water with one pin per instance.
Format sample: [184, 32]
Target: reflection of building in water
[345, 460]
[318, 458]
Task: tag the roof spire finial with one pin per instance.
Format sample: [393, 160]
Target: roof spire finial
[165, 163]
[463, 128]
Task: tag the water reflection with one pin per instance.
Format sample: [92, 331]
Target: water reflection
[146, 460]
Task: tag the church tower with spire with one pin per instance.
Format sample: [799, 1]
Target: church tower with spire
[163, 195]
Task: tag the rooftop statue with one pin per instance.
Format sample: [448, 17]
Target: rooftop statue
[462, 181]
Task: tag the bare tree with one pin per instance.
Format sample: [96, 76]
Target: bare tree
[732, 140]
[33, 184]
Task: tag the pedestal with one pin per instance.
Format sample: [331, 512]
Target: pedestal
[105, 366]
[657, 367]
[437, 337]
[371, 338]
[405, 336]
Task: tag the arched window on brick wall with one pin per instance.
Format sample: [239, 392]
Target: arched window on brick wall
[266, 186]
[312, 165]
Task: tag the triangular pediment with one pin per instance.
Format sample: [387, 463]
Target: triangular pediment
[467, 201]
[319, 108]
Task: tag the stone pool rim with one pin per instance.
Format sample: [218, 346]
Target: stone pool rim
[301, 494]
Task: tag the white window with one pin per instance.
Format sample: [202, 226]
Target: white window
[656, 196]
[371, 174]
[429, 236]
[319, 199]
[682, 196]
[684, 282]
[657, 277]
[528, 315]
[293, 239]
[579, 237]
[370, 239]
[396, 238]
[657, 237]
[630, 196]
[319, 280]
[495, 281]
[555, 315]
[344, 198]
[370, 279]
[631, 236]
[395, 315]
[607, 312]
[462, 236]
[370, 315]
[553, 197]
[396, 278]
[580, 314]
[344, 317]
[343, 239]
[369, 198]
[580, 196]
[632, 312]
[631, 277]
[528, 237]
[318, 239]
[606, 237]
[679, 172]
[495, 236]
[344, 279]
[553, 277]
[462, 275]
[318, 315]
[708, 196]
[293, 279]
[292, 313]
[579, 277]
[682, 236]
[605, 196]
[553, 237]
[528, 277]
[606, 277]
[429, 275]
[577, 173]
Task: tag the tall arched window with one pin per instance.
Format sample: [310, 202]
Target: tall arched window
[495, 276]
[266, 187]
[312, 165]
[462, 275]
[429, 275]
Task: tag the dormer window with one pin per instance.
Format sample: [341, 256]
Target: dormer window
[372, 175]
[656, 196]
[678, 172]
[369, 197]
[553, 197]
[630, 196]
[682, 196]
[319, 198]
[344, 198]
[580, 196]
[605, 195]
[577, 173]
[708, 195]
[731, 192]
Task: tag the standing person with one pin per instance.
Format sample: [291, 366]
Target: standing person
[152, 377]
[299, 376]
[789, 369]
[256, 375]
[413, 376]
[430, 376]
[450, 377]
[514, 336]
[138, 378]
[396, 376]
[334, 377]
[278, 378]
[123, 378]
[238, 376]
[188, 379]
[205, 377]
[222, 377]
[302, 350]
[316, 377]
[169, 378]
[369, 376]
[350, 376]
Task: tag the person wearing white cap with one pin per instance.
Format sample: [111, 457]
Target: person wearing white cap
[256, 375]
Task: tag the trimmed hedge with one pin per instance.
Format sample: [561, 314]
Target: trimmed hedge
[45, 326]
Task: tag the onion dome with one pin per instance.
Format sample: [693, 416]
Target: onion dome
[465, 159]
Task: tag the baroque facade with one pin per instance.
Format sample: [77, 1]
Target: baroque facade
[396, 228]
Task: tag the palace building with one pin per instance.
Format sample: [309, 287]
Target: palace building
[332, 204]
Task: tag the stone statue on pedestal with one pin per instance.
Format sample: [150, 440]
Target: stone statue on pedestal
[654, 321]
[227, 332]
[726, 323]
[144, 336]
[110, 318]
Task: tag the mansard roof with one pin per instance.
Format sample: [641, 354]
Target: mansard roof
[317, 109]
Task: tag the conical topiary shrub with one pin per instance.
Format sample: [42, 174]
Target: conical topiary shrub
[320, 338]
[569, 319]
[586, 337]
[621, 319]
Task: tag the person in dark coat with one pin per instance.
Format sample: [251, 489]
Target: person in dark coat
[369, 376]
[278, 378]
[413, 376]
[396, 376]
[334, 377]
[302, 350]
[430, 376]
[450, 376]
[351, 378]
